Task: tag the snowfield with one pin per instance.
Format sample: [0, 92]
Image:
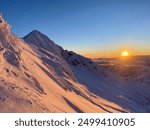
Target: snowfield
[37, 75]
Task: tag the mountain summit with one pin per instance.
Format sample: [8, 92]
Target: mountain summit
[37, 75]
[41, 41]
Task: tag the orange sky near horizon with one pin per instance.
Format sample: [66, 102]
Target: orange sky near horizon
[115, 50]
[114, 54]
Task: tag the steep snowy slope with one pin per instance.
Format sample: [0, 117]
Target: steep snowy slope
[38, 79]
[89, 76]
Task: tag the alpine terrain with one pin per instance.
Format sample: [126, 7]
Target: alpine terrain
[37, 75]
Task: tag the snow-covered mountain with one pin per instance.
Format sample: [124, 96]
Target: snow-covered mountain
[37, 75]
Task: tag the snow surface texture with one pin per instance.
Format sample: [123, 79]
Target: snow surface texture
[37, 75]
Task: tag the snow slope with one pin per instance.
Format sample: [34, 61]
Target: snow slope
[135, 76]
[37, 75]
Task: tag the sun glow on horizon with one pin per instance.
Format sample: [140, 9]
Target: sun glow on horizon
[124, 54]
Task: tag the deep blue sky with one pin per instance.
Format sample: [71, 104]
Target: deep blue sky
[95, 27]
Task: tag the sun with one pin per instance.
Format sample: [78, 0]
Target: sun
[125, 54]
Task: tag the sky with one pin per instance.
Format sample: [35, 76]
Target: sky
[93, 28]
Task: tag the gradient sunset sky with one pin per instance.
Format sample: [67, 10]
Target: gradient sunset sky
[94, 28]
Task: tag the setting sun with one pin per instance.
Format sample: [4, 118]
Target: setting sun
[124, 54]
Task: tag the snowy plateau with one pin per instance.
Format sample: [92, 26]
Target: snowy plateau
[37, 75]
